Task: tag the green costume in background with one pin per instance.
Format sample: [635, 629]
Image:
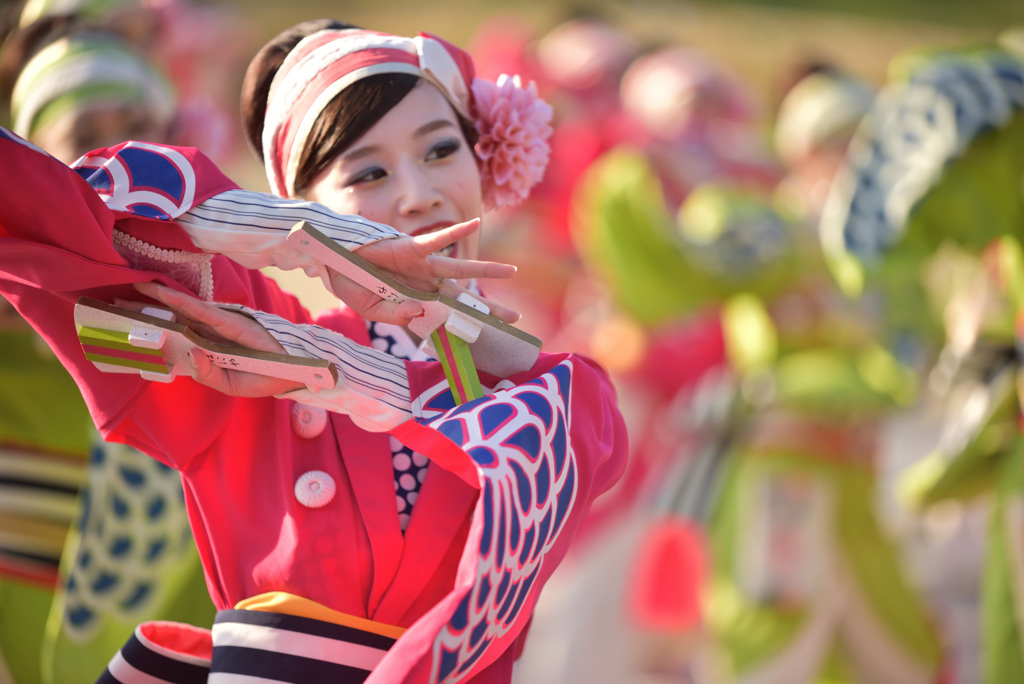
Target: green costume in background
[806, 587]
[93, 536]
[938, 172]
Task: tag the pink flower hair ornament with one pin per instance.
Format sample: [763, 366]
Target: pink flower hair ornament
[514, 124]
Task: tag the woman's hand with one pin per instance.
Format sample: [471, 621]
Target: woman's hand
[413, 261]
[224, 327]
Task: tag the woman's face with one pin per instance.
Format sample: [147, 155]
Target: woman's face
[413, 171]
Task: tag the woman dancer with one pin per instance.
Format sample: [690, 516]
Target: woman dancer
[294, 509]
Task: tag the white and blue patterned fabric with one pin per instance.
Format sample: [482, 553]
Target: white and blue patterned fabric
[915, 129]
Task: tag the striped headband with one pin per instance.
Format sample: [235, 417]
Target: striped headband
[325, 63]
[83, 70]
[512, 121]
[37, 9]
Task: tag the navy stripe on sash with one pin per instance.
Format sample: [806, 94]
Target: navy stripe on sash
[149, 662]
[271, 666]
[250, 643]
[291, 649]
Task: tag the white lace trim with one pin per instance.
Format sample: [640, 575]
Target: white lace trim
[194, 270]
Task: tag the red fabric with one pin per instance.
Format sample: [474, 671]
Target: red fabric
[239, 458]
[501, 45]
[442, 450]
[598, 444]
[679, 354]
[179, 638]
[664, 592]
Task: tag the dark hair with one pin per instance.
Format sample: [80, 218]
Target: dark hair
[345, 118]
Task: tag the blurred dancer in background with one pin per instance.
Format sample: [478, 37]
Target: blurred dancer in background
[704, 123]
[653, 323]
[74, 88]
[95, 534]
[928, 221]
[186, 42]
[755, 396]
[813, 126]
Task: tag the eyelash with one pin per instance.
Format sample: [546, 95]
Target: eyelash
[450, 147]
[442, 149]
[367, 176]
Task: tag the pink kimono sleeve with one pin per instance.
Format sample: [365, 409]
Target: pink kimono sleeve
[540, 448]
[57, 244]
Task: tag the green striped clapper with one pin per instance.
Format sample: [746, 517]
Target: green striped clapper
[120, 340]
[116, 349]
[457, 361]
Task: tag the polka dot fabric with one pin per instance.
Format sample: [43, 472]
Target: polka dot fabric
[395, 341]
[410, 468]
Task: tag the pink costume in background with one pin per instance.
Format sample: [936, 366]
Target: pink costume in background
[524, 462]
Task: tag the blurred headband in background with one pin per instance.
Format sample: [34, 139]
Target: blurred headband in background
[38, 9]
[514, 124]
[822, 109]
[669, 89]
[83, 71]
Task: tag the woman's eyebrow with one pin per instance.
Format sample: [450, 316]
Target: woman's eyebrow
[432, 126]
[360, 152]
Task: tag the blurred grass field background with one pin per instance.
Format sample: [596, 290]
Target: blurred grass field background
[757, 39]
[761, 41]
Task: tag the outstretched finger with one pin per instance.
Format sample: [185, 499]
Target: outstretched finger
[439, 239]
[463, 269]
[190, 308]
[131, 304]
[501, 312]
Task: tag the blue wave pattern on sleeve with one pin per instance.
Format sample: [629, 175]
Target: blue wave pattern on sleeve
[147, 180]
[517, 439]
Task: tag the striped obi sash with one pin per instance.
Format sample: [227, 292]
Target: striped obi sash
[247, 646]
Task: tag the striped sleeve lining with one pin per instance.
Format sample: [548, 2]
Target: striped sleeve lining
[372, 384]
[250, 228]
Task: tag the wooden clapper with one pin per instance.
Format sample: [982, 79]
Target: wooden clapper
[150, 343]
[464, 336]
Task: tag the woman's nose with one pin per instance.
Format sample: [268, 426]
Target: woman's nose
[418, 192]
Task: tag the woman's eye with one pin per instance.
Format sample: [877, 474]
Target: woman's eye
[367, 176]
[443, 149]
